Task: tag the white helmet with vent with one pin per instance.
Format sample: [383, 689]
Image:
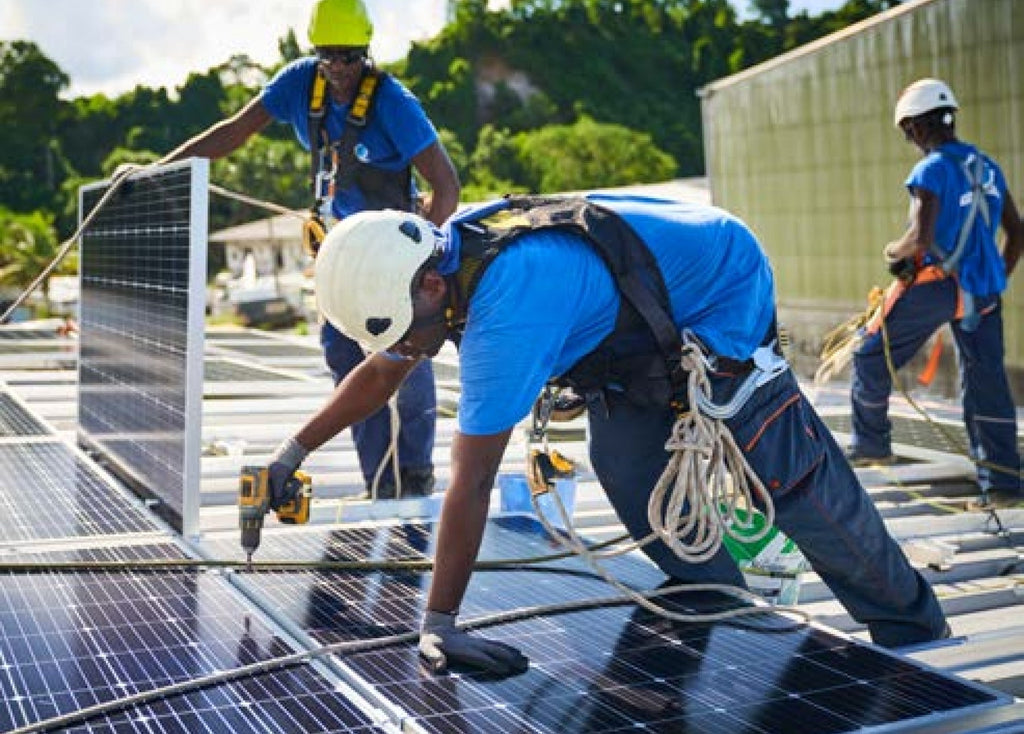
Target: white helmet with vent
[923, 96]
[364, 274]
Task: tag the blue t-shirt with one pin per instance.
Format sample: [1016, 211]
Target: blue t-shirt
[548, 300]
[397, 129]
[981, 269]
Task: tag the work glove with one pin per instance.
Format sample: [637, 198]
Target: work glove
[283, 463]
[901, 268]
[442, 644]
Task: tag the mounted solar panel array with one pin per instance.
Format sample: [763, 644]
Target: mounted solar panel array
[73, 640]
[142, 272]
[50, 491]
[612, 668]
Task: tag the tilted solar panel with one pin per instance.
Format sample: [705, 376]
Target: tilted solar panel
[17, 420]
[72, 640]
[49, 491]
[616, 668]
[142, 274]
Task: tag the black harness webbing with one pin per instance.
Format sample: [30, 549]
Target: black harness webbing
[382, 188]
[645, 301]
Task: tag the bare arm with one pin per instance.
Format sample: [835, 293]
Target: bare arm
[475, 461]
[225, 136]
[363, 392]
[1014, 243]
[436, 167]
[920, 233]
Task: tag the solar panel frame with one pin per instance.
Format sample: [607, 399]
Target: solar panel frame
[609, 669]
[141, 317]
[71, 640]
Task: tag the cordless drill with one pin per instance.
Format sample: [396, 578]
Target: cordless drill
[254, 504]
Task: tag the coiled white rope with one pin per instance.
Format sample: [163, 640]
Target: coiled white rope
[707, 491]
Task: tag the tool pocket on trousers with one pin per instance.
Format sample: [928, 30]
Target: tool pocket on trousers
[780, 440]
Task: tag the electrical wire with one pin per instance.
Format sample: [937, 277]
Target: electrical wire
[339, 648]
[115, 184]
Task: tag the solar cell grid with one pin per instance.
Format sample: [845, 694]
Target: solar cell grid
[30, 334]
[49, 491]
[602, 670]
[143, 262]
[16, 420]
[73, 640]
[221, 370]
[274, 350]
[918, 432]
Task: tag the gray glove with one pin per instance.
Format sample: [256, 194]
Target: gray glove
[283, 463]
[442, 643]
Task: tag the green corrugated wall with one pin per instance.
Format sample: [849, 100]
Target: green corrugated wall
[804, 149]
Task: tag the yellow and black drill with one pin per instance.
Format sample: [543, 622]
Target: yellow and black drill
[254, 504]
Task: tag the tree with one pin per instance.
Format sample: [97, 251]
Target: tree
[589, 154]
[31, 166]
[28, 243]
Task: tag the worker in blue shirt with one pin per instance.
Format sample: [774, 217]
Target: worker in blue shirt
[952, 272]
[360, 165]
[541, 307]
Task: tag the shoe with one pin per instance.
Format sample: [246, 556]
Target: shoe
[415, 483]
[858, 459]
[997, 498]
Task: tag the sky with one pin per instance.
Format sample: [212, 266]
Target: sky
[110, 46]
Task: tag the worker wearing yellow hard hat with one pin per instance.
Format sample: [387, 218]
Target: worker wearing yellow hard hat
[366, 133]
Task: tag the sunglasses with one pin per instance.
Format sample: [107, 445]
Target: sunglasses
[347, 56]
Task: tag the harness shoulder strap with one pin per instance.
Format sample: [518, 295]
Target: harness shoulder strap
[358, 116]
[630, 261]
[315, 121]
[979, 203]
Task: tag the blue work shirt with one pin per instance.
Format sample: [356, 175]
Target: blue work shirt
[548, 300]
[981, 269]
[397, 128]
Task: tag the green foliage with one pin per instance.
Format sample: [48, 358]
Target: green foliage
[272, 170]
[28, 243]
[547, 95]
[30, 161]
[588, 155]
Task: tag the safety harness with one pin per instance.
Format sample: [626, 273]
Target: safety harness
[336, 166]
[707, 489]
[641, 356]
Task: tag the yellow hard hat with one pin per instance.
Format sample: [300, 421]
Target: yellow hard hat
[340, 23]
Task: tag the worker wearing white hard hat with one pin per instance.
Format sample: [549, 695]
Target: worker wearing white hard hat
[953, 270]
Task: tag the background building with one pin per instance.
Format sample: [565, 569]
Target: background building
[803, 147]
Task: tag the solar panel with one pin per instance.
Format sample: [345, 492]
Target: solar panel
[72, 640]
[273, 350]
[223, 370]
[616, 668]
[143, 269]
[50, 491]
[9, 333]
[234, 336]
[17, 420]
[917, 432]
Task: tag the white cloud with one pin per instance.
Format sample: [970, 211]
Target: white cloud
[110, 46]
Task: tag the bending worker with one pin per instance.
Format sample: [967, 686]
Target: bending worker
[365, 132]
[953, 273]
[527, 295]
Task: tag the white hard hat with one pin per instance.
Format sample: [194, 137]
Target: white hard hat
[922, 96]
[364, 273]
